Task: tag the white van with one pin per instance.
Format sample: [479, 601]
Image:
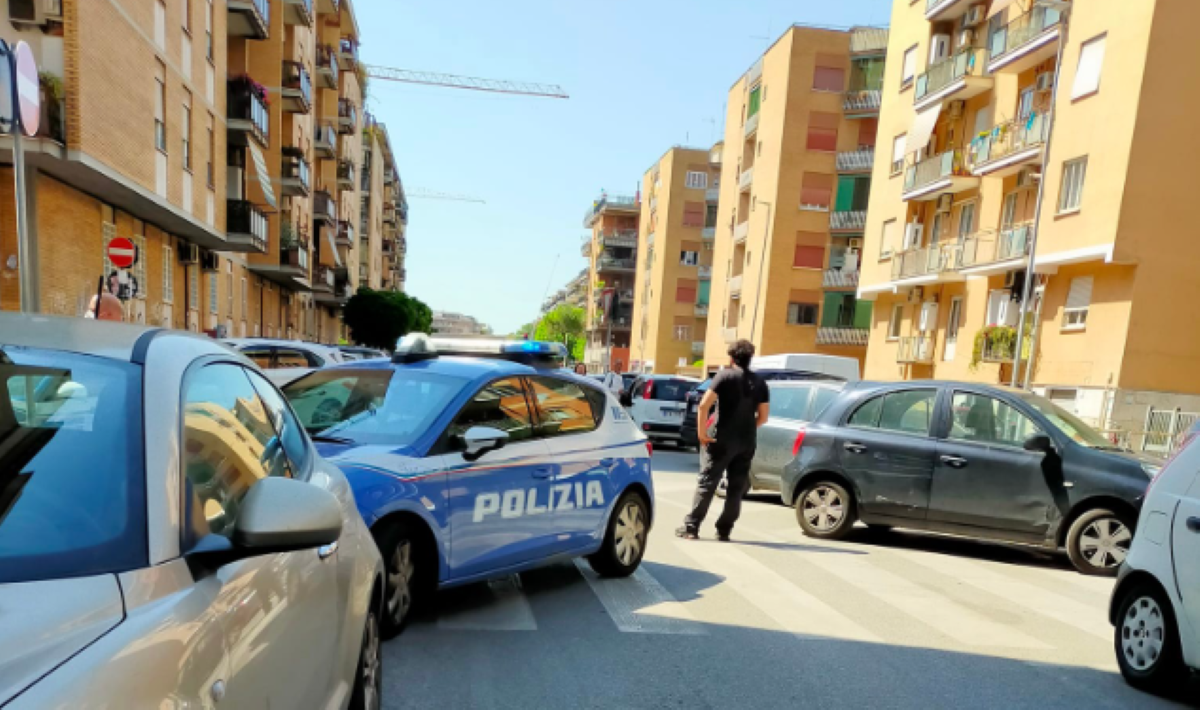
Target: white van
[842, 368]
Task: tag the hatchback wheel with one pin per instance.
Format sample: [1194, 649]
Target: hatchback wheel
[625, 541]
[1147, 640]
[368, 680]
[825, 510]
[1098, 542]
[407, 579]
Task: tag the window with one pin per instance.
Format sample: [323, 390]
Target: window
[966, 220]
[291, 437]
[685, 291]
[689, 258]
[985, 420]
[187, 15]
[160, 103]
[193, 279]
[710, 216]
[1087, 72]
[499, 405]
[1078, 300]
[212, 294]
[816, 191]
[822, 397]
[245, 298]
[293, 358]
[208, 30]
[790, 402]
[160, 24]
[887, 242]
[1008, 213]
[909, 411]
[229, 285]
[755, 101]
[829, 79]
[693, 214]
[186, 131]
[867, 414]
[138, 270]
[226, 449]
[1025, 103]
[1070, 195]
[896, 321]
[808, 257]
[563, 407]
[1000, 308]
[822, 131]
[696, 180]
[898, 147]
[168, 276]
[802, 314]
[908, 68]
[683, 333]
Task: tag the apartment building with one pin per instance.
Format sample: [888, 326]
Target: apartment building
[205, 131]
[675, 260]
[612, 252]
[573, 294]
[448, 323]
[384, 213]
[800, 134]
[991, 140]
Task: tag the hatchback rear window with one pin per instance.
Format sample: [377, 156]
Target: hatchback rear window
[669, 390]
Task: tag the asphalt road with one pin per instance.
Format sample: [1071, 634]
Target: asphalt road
[773, 619]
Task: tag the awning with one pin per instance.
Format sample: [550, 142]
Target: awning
[263, 175]
[998, 7]
[333, 246]
[922, 128]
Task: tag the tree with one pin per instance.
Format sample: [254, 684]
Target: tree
[377, 319]
[564, 324]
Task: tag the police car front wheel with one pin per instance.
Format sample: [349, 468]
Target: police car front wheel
[625, 540]
[407, 575]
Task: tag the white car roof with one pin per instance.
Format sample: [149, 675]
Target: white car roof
[116, 341]
[325, 350]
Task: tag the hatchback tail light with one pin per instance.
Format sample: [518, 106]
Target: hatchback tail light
[648, 392]
[798, 442]
[649, 447]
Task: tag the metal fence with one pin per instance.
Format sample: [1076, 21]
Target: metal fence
[1166, 428]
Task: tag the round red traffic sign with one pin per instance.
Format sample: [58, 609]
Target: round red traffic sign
[122, 253]
[28, 91]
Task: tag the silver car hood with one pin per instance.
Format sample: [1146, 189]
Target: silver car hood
[43, 624]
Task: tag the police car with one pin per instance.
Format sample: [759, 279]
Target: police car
[476, 458]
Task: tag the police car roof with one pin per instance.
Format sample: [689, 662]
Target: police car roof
[468, 368]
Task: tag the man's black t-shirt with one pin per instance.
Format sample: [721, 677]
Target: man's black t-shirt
[739, 392]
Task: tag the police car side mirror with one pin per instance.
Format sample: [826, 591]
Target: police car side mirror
[478, 440]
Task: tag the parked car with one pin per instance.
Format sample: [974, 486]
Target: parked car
[284, 360]
[1155, 609]
[354, 352]
[833, 366]
[168, 533]
[656, 403]
[967, 459]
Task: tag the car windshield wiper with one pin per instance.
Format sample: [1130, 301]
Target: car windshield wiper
[331, 439]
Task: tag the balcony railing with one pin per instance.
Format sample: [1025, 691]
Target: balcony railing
[247, 109]
[247, 223]
[842, 335]
[862, 101]
[922, 261]
[325, 140]
[347, 117]
[326, 278]
[856, 161]
[868, 39]
[933, 169]
[989, 247]
[741, 231]
[968, 62]
[704, 273]
[746, 178]
[916, 349]
[295, 172]
[839, 278]
[1021, 31]
[327, 66]
[345, 233]
[708, 233]
[700, 310]
[345, 174]
[605, 202]
[298, 12]
[297, 87]
[348, 53]
[735, 284]
[295, 256]
[697, 347]
[324, 208]
[848, 221]
[611, 263]
[627, 238]
[935, 5]
[751, 125]
[1009, 139]
[712, 194]
[1000, 345]
[249, 18]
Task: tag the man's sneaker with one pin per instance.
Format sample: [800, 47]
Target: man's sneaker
[723, 536]
[686, 533]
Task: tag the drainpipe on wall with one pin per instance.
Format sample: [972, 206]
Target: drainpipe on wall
[762, 263]
[1037, 215]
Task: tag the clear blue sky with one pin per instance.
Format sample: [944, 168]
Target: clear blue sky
[642, 76]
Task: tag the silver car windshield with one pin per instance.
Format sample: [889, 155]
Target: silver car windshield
[72, 482]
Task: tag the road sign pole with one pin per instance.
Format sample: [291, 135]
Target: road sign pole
[25, 262]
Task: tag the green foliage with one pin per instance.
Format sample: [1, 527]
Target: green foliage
[377, 319]
[1003, 339]
[699, 364]
[53, 85]
[287, 234]
[564, 324]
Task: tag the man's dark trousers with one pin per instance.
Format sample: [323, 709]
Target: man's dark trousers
[733, 461]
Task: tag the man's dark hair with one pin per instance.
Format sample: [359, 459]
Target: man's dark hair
[741, 352]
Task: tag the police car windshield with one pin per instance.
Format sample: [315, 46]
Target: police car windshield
[375, 406]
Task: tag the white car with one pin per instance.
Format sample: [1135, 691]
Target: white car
[1156, 603]
[286, 360]
[657, 404]
[168, 533]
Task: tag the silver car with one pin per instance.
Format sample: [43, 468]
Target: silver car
[168, 534]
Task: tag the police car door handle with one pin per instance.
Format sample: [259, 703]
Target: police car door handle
[543, 472]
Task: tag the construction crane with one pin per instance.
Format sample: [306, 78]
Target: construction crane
[472, 83]
[421, 193]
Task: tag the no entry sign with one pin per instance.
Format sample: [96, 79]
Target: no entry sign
[29, 98]
[122, 253]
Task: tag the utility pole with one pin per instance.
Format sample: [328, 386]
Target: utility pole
[762, 264]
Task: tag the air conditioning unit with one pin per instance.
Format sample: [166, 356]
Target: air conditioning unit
[966, 38]
[1026, 177]
[189, 254]
[1045, 81]
[210, 261]
[955, 109]
[974, 16]
[34, 12]
[944, 202]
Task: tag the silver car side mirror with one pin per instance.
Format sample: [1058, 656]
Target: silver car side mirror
[478, 440]
[280, 514]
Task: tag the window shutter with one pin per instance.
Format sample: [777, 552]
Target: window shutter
[868, 129]
[1087, 72]
[1080, 295]
[809, 257]
[816, 190]
[909, 66]
[845, 194]
[889, 237]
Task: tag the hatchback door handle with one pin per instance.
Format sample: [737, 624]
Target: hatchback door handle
[543, 472]
[326, 551]
[954, 461]
[1193, 524]
[854, 448]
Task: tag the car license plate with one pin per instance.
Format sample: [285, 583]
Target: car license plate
[671, 413]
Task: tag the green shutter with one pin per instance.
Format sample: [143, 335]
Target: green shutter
[755, 101]
[862, 191]
[845, 194]
[702, 296]
[862, 314]
[829, 311]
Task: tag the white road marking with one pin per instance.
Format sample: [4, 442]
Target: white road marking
[639, 604]
[505, 609]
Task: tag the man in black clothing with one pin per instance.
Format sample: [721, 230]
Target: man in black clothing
[742, 400]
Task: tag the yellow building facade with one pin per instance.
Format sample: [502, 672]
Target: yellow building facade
[611, 250]
[1062, 122]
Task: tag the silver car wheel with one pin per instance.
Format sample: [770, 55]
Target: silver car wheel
[630, 534]
[399, 581]
[824, 508]
[372, 664]
[1143, 634]
[1105, 543]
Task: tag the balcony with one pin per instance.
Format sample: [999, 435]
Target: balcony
[708, 233]
[345, 175]
[1000, 345]
[1008, 146]
[401, 245]
[328, 7]
[365, 183]
[856, 161]
[729, 334]
[959, 76]
[347, 117]
[348, 53]
[297, 88]
[246, 225]
[916, 349]
[700, 310]
[345, 234]
[324, 280]
[623, 238]
[840, 279]
[712, 194]
[704, 273]
[612, 263]
[293, 259]
[848, 221]
[324, 208]
[247, 112]
[327, 66]
[868, 40]
[944, 10]
[387, 247]
[829, 335]
[295, 173]
[991, 253]
[735, 285]
[751, 126]
[862, 103]
[1025, 42]
[936, 175]
[924, 262]
[585, 248]
[615, 204]
[741, 231]
[298, 12]
[248, 18]
[746, 179]
[325, 141]
[389, 177]
[714, 157]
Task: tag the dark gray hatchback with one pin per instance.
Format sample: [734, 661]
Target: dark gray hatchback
[967, 459]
